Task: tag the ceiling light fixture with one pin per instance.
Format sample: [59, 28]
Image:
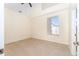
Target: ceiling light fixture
[20, 11]
[22, 3]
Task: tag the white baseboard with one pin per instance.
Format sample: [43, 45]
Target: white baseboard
[38, 39]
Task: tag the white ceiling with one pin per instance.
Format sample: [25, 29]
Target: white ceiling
[25, 8]
[47, 5]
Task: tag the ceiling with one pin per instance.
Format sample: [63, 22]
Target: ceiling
[18, 7]
[25, 8]
[47, 5]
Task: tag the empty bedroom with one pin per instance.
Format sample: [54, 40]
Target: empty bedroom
[37, 29]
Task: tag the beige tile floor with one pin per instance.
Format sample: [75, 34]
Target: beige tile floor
[35, 47]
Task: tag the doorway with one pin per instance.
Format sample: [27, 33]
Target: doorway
[75, 30]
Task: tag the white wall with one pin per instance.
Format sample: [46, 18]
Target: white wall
[1, 25]
[78, 27]
[40, 30]
[17, 26]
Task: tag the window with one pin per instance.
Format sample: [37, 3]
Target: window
[54, 25]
